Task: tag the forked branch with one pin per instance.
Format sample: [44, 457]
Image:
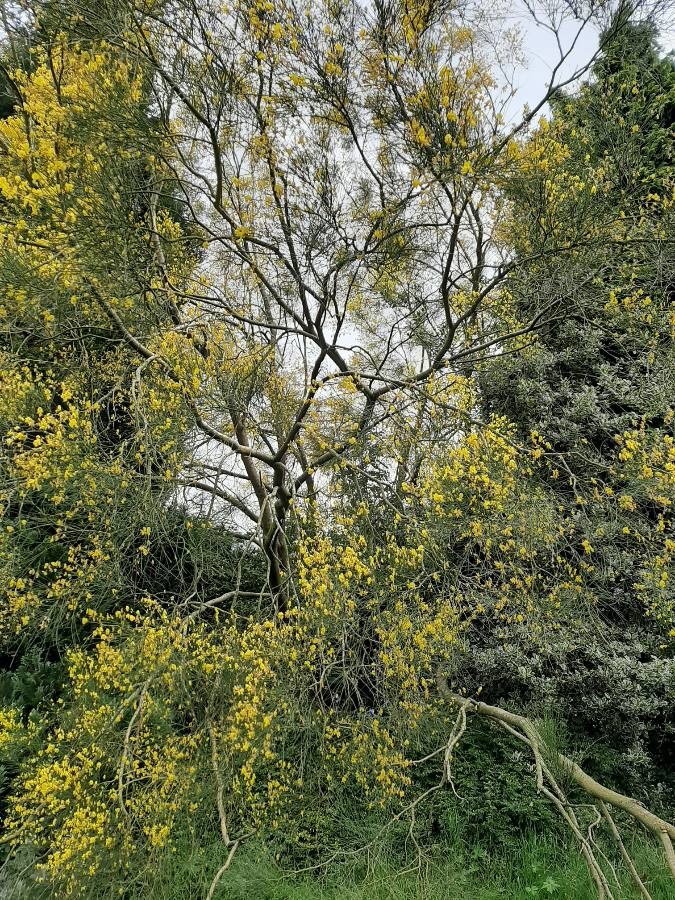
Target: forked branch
[603, 797]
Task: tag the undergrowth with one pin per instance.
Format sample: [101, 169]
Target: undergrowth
[454, 867]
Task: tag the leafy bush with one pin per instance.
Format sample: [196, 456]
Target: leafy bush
[614, 695]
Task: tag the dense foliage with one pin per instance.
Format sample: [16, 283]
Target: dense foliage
[326, 382]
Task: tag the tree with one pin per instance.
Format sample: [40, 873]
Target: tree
[349, 172]
[364, 301]
[595, 392]
[593, 400]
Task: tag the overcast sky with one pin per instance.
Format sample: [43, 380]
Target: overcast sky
[542, 55]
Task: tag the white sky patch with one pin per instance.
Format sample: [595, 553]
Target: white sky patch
[542, 54]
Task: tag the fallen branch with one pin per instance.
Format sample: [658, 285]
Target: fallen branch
[525, 730]
[624, 853]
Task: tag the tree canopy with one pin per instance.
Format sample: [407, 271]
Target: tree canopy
[333, 389]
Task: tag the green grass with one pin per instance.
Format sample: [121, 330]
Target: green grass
[459, 859]
[533, 868]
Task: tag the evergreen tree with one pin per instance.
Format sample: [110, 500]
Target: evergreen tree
[592, 396]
